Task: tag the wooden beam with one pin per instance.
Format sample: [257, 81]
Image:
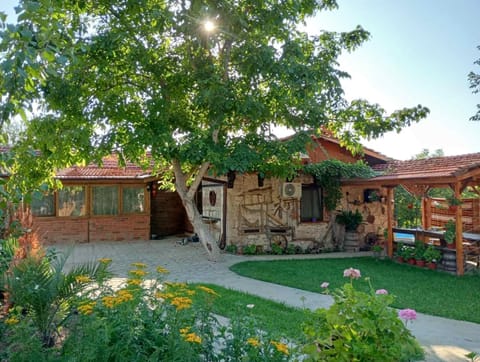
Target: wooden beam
[390, 222]
[459, 231]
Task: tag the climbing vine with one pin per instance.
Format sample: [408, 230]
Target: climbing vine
[329, 173]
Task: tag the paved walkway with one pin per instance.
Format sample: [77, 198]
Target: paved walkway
[443, 339]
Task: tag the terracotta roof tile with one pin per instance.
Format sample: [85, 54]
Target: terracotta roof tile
[108, 170]
[430, 167]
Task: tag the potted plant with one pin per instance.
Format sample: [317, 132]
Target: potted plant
[420, 253]
[408, 253]
[432, 256]
[377, 249]
[453, 203]
[449, 234]
[399, 253]
[351, 220]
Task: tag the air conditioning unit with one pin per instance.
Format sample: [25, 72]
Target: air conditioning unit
[291, 190]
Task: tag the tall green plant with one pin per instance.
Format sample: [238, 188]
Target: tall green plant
[46, 293]
[329, 173]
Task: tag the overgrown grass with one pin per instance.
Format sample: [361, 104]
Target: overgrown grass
[426, 291]
[273, 317]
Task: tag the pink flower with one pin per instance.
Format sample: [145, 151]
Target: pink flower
[352, 273]
[324, 285]
[381, 291]
[407, 314]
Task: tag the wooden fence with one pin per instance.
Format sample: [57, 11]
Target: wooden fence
[439, 212]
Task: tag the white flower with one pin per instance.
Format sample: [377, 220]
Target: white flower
[250, 306]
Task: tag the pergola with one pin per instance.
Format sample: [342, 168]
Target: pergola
[418, 177]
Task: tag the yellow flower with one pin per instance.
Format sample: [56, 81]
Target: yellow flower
[253, 342]
[124, 296]
[192, 337]
[207, 290]
[139, 265]
[164, 295]
[281, 347]
[86, 308]
[175, 285]
[181, 302]
[82, 279]
[11, 321]
[184, 330]
[109, 301]
[134, 281]
[105, 260]
[138, 272]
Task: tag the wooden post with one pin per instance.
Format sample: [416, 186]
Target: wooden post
[390, 221]
[459, 232]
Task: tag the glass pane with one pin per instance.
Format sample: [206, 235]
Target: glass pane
[105, 200]
[133, 200]
[71, 201]
[311, 204]
[43, 204]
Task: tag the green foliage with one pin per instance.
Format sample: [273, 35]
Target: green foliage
[432, 254]
[360, 326]
[329, 173]
[106, 77]
[231, 248]
[46, 293]
[250, 249]
[350, 219]
[474, 79]
[407, 208]
[420, 249]
[277, 249]
[450, 231]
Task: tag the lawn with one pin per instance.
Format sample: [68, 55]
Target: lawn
[273, 317]
[431, 292]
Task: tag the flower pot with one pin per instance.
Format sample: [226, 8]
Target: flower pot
[420, 263]
[432, 266]
[400, 259]
[451, 246]
[411, 261]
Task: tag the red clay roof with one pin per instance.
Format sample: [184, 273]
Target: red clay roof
[447, 166]
[108, 170]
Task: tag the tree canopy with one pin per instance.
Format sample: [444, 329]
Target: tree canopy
[474, 79]
[94, 77]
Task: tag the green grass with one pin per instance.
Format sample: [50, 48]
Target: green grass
[426, 291]
[273, 317]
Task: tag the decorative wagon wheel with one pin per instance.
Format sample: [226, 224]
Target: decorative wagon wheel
[280, 240]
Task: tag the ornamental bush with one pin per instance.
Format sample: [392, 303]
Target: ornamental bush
[359, 327]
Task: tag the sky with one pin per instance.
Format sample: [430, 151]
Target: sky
[419, 52]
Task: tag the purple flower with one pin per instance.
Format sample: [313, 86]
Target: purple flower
[352, 273]
[381, 291]
[324, 285]
[407, 314]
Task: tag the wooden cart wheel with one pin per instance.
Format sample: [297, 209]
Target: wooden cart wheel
[280, 240]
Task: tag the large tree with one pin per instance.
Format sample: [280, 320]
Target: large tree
[474, 79]
[198, 84]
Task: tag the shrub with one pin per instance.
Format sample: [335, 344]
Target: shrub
[277, 249]
[231, 248]
[360, 327]
[250, 249]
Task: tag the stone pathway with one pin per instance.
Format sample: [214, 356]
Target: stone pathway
[443, 339]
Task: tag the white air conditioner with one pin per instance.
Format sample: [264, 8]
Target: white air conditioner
[291, 190]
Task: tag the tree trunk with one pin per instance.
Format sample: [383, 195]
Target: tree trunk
[187, 195]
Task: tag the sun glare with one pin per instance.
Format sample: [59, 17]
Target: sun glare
[209, 26]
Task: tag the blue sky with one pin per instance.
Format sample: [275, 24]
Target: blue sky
[420, 52]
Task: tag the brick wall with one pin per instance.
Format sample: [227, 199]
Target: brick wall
[52, 230]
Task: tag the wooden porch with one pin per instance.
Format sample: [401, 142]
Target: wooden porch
[418, 177]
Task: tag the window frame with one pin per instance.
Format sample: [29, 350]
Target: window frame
[312, 218]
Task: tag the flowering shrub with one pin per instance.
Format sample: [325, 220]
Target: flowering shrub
[143, 318]
[360, 327]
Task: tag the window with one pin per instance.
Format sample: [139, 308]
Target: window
[133, 200]
[43, 204]
[105, 200]
[311, 203]
[71, 201]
